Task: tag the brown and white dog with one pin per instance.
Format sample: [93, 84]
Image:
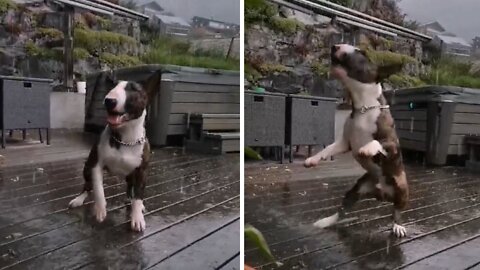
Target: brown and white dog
[370, 134]
[122, 149]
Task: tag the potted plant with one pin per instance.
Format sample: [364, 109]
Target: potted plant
[82, 84]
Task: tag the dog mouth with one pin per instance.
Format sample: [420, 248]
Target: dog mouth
[116, 119]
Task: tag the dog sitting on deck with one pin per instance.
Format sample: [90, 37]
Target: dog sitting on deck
[122, 149]
[370, 134]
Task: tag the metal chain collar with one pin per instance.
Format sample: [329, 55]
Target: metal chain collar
[365, 109]
[138, 141]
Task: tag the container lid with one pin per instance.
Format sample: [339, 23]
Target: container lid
[26, 79]
[313, 97]
[250, 92]
[434, 93]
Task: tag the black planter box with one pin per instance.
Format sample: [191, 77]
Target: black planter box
[265, 120]
[310, 121]
[25, 104]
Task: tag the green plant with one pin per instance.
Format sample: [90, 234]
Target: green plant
[285, 25]
[320, 69]
[387, 58]
[105, 24]
[251, 74]
[404, 81]
[117, 61]
[80, 54]
[252, 154]
[50, 33]
[267, 68]
[99, 40]
[6, 5]
[256, 237]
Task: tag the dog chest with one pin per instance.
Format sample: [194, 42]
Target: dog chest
[122, 161]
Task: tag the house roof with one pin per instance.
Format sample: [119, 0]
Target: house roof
[435, 25]
[453, 40]
[151, 4]
[172, 20]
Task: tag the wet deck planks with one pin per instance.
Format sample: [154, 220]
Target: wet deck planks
[192, 202]
[443, 220]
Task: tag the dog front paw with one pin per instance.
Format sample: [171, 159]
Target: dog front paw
[399, 231]
[138, 222]
[100, 211]
[313, 161]
[371, 149]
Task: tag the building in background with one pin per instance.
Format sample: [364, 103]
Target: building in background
[218, 28]
[163, 21]
[447, 43]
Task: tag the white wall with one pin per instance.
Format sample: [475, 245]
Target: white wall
[67, 110]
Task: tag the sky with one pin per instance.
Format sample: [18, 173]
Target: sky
[461, 17]
[222, 10]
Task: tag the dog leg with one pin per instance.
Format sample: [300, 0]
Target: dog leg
[91, 162]
[138, 178]
[363, 188]
[400, 202]
[100, 205]
[338, 147]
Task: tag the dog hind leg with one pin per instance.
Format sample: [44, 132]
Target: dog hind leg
[365, 187]
[400, 202]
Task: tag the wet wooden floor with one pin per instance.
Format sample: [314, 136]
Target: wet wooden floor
[192, 216]
[443, 219]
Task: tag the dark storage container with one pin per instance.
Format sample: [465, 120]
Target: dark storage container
[310, 121]
[25, 104]
[185, 91]
[435, 119]
[265, 120]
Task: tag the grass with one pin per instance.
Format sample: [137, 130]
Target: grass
[448, 71]
[119, 61]
[171, 51]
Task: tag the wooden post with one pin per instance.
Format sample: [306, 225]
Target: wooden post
[68, 48]
[230, 47]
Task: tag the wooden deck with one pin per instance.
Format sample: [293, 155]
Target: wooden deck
[192, 204]
[443, 220]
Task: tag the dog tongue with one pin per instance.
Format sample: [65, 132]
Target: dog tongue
[114, 119]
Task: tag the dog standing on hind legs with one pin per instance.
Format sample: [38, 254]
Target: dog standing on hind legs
[122, 149]
[370, 134]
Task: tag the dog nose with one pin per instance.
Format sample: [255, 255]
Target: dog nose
[110, 103]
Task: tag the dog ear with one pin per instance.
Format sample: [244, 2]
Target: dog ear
[152, 85]
[383, 72]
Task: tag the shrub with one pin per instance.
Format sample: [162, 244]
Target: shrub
[99, 40]
[118, 61]
[33, 50]
[387, 58]
[6, 5]
[50, 33]
[285, 25]
[320, 69]
[272, 68]
[449, 71]
[80, 54]
[404, 81]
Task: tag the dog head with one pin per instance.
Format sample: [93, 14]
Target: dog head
[127, 101]
[349, 62]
